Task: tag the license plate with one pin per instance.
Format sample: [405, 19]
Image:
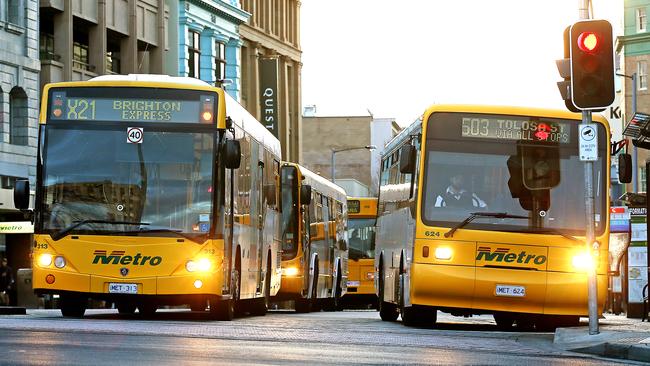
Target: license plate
[510, 291]
[354, 283]
[122, 288]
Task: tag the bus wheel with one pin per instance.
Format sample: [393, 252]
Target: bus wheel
[525, 322]
[225, 309]
[548, 323]
[73, 306]
[261, 305]
[416, 315]
[334, 304]
[197, 305]
[147, 310]
[126, 307]
[388, 312]
[504, 321]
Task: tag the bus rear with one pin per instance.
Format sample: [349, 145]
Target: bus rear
[487, 215]
[362, 215]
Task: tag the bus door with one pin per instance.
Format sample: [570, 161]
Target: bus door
[329, 243]
[256, 219]
[261, 219]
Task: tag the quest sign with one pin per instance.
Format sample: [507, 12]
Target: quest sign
[269, 94]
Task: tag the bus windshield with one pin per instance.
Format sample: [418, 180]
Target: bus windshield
[510, 164]
[289, 212]
[361, 236]
[93, 173]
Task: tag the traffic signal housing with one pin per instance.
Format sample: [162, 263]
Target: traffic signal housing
[592, 64]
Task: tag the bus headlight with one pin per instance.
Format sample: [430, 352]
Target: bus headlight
[59, 262]
[201, 265]
[290, 271]
[443, 253]
[370, 275]
[583, 261]
[45, 260]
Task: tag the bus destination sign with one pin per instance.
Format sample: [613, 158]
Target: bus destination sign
[115, 109]
[515, 129]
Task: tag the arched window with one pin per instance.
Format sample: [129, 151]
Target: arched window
[18, 117]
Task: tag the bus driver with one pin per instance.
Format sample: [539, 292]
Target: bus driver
[456, 196]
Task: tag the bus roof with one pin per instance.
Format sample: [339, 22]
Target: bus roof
[319, 183]
[156, 78]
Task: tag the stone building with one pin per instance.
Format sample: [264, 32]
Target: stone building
[19, 68]
[271, 69]
[81, 39]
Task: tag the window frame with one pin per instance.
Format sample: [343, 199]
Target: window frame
[642, 74]
[194, 54]
[641, 20]
[219, 60]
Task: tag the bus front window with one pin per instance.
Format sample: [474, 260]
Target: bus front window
[361, 236]
[289, 212]
[165, 182]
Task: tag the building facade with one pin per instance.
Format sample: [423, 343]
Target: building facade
[271, 70]
[347, 138]
[634, 46]
[19, 92]
[209, 45]
[82, 39]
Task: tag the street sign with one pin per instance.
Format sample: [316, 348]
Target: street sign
[588, 141]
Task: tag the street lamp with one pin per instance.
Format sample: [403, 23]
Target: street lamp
[334, 151]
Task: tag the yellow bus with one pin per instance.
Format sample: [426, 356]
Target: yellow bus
[482, 211]
[314, 240]
[362, 215]
[154, 190]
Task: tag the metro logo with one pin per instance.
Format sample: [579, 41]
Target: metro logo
[118, 257]
[504, 255]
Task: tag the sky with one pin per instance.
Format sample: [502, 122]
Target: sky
[396, 58]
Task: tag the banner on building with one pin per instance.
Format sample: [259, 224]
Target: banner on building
[269, 94]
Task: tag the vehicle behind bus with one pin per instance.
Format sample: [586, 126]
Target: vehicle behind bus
[314, 240]
[141, 182]
[362, 216]
[481, 210]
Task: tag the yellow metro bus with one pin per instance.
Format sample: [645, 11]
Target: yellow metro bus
[362, 215]
[154, 190]
[314, 240]
[482, 211]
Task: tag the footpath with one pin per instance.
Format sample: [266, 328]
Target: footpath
[619, 337]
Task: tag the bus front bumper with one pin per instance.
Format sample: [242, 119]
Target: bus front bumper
[467, 287]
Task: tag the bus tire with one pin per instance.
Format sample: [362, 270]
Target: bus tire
[261, 305]
[549, 323]
[126, 307]
[417, 315]
[198, 305]
[504, 321]
[147, 310]
[73, 306]
[334, 304]
[224, 310]
[388, 312]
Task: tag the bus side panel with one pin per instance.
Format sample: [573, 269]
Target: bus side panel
[442, 285]
[567, 294]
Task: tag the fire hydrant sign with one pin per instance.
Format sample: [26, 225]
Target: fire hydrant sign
[588, 141]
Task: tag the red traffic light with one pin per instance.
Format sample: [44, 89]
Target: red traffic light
[587, 41]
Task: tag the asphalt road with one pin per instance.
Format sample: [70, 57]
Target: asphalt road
[280, 338]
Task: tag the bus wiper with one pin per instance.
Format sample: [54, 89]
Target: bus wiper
[76, 224]
[178, 232]
[473, 215]
[548, 230]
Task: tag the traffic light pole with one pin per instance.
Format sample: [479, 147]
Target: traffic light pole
[591, 244]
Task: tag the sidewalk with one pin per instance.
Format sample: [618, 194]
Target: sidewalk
[619, 337]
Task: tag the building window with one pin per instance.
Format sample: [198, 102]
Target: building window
[642, 179]
[80, 56]
[194, 52]
[219, 61]
[16, 12]
[18, 117]
[642, 74]
[47, 47]
[641, 20]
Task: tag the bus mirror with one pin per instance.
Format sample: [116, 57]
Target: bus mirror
[305, 194]
[625, 168]
[21, 194]
[232, 154]
[269, 194]
[407, 159]
[540, 166]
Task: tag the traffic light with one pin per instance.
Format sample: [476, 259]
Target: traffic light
[592, 64]
[534, 170]
[564, 67]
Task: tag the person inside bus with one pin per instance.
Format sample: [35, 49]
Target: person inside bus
[457, 196]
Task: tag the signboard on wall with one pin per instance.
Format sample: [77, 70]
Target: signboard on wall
[269, 94]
